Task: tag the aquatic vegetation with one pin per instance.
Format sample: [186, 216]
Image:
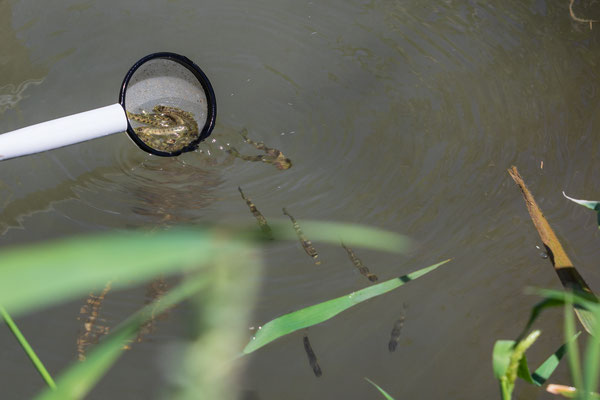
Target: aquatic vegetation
[509, 358]
[584, 375]
[39, 366]
[321, 312]
[383, 392]
[219, 267]
[591, 204]
[567, 273]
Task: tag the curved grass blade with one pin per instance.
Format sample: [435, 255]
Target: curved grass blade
[81, 377]
[584, 303]
[383, 392]
[318, 313]
[592, 205]
[27, 348]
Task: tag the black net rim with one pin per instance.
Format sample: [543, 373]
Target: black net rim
[211, 101]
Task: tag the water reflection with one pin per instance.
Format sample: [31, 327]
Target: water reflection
[166, 191]
[170, 191]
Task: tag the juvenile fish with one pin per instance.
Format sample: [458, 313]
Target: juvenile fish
[395, 334]
[306, 244]
[272, 156]
[312, 358]
[358, 264]
[167, 128]
[262, 221]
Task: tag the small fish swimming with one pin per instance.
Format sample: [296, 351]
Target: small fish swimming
[262, 221]
[169, 128]
[272, 156]
[395, 334]
[306, 244]
[312, 358]
[358, 264]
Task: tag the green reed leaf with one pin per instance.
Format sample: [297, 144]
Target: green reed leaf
[585, 306]
[542, 374]
[47, 273]
[383, 392]
[592, 205]
[318, 313]
[42, 274]
[351, 235]
[39, 366]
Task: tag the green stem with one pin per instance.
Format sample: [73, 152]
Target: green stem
[28, 349]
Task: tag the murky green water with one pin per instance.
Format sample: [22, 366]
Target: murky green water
[402, 115]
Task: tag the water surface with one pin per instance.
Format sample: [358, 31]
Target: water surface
[401, 115]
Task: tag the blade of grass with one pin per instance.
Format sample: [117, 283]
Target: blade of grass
[592, 205]
[318, 313]
[81, 377]
[30, 273]
[568, 275]
[542, 374]
[383, 392]
[39, 366]
[591, 361]
[590, 370]
[87, 263]
[210, 362]
[572, 348]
